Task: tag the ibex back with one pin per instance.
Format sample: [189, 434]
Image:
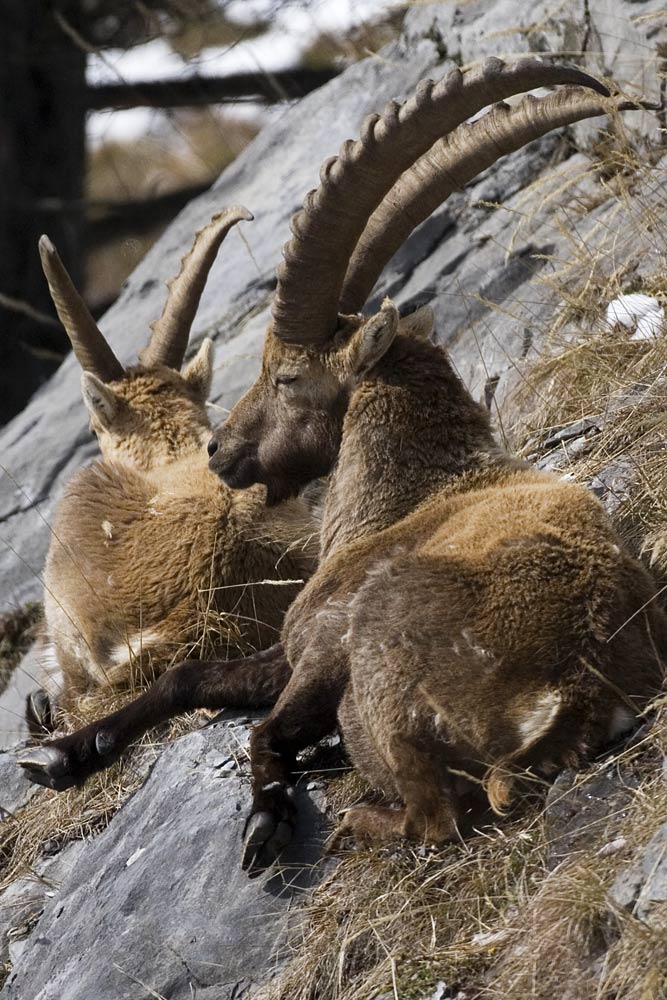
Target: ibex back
[151, 553]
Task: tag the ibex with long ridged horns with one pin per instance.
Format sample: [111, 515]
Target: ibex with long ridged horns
[471, 617]
[150, 550]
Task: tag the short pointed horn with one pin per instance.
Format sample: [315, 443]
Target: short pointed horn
[169, 339]
[326, 231]
[449, 165]
[88, 343]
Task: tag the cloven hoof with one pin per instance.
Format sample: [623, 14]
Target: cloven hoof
[47, 766]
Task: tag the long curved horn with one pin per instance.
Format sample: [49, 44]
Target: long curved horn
[448, 166]
[352, 185]
[170, 333]
[88, 343]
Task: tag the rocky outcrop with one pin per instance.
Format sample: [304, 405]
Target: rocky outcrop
[641, 887]
[469, 259]
[157, 902]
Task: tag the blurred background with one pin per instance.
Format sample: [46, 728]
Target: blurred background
[113, 115]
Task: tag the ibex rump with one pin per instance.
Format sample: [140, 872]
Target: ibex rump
[471, 616]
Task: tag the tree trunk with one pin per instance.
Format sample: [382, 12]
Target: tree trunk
[42, 149]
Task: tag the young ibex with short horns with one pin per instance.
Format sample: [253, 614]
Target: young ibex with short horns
[471, 616]
[150, 550]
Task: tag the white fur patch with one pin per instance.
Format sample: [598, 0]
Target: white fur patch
[133, 646]
[48, 657]
[50, 668]
[540, 720]
[476, 649]
[621, 721]
[337, 611]
[107, 529]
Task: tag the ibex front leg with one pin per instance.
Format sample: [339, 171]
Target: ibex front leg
[248, 682]
[305, 713]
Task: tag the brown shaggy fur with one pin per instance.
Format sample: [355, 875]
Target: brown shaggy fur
[471, 616]
[150, 548]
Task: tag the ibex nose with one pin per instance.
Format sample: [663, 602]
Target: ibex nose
[212, 447]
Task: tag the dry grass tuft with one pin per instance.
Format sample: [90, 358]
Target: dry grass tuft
[489, 916]
[396, 921]
[619, 386]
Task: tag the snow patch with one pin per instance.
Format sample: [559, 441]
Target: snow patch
[641, 312]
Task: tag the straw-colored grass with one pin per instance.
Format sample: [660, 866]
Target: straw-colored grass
[488, 914]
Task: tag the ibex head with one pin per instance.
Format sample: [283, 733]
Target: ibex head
[150, 413]
[287, 428]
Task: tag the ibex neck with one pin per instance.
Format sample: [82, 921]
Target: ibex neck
[411, 428]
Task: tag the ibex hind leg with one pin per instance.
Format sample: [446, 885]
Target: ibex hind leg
[391, 740]
[428, 812]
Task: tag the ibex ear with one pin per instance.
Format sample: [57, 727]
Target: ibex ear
[372, 339]
[198, 373]
[101, 401]
[420, 323]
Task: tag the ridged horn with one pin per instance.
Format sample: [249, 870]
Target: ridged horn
[449, 165]
[170, 333]
[352, 185]
[87, 340]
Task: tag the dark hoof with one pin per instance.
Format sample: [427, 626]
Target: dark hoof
[70, 760]
[268, 831]
[39, 712]
[47, 766]
[104, 743]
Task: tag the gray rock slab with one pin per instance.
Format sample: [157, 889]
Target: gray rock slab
[22, 903]
[585, 810]
[611, 38]
[159, 897]
[15, 790]
[642, 885]
[27, 676]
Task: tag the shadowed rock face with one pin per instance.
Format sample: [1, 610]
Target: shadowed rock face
[158, 898]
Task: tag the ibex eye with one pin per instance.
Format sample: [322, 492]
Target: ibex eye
[285, 379]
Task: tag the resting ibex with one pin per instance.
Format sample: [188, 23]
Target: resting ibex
[471, 616]
[150, 550]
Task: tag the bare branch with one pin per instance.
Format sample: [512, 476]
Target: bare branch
[270, 88]
[16, 305]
